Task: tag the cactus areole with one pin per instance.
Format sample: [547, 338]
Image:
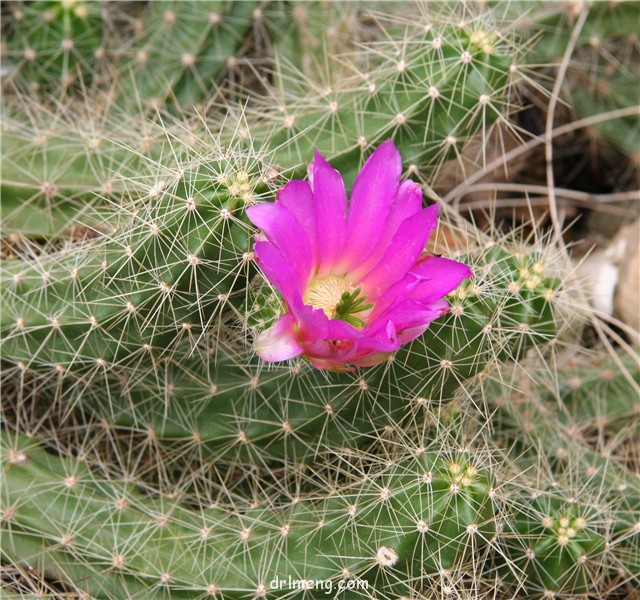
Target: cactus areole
[352, 275]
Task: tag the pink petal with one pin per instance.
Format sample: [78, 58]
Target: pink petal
[341, 330]
[408, 335]
[277, 270]
[330, 203]
[279, 341]
[331, 350]
[426, 283]
[407, 203]
[440, 275]
[402, 253]
[314, 324]
[284, 231]
[397, 293]
[440, 307]
[409, 314]
[382, 338]
[297, 197]
[372, 198]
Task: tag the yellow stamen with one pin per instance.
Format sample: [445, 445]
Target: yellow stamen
[326, 293]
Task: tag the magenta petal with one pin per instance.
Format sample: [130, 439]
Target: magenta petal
[439, 308]
[331, 350]
[397, 293]
[409, 335]
[372, 198]
[297, 197]
[409, 314]
[377, 247]
[402, 253]
[383, 342]
[314, 324]
[408, 202]
[279, 341]
[284, 231]
[277, 270]
[330, 202]
[441, 276]
[341, 330]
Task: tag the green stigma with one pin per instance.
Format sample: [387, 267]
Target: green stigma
[350, 304]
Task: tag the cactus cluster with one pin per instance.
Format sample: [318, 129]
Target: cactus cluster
[147, 452]
[166, 52]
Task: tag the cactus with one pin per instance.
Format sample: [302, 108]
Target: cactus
[183, 50]
[429, 127]
[456, 111]
[302, 35]
[176, 53]
[575, 528]
[57, 167]
[57, 175]
[159, 295]
[575, 537]
[413, 517]
[431, 95]
[168, 252]
[146, 451]
[55, 41]
[224, 401]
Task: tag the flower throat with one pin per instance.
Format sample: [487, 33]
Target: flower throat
[338, 299]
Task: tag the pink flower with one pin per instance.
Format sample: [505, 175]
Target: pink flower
[352, 275]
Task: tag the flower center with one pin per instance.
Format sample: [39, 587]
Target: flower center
[326, 293]
[338, 299]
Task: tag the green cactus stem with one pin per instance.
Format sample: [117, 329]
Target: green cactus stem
[412, 518]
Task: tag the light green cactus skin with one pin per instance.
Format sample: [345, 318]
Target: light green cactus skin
[565, 538]
[560, 539]
[56, 515]
[177, 53]
[301, 35]
[139, 288]
[600, 396]
[53, 178]
[228, 403]
[183, 50]
[154, 341]
[442, 96]
[441, 90]
[51, 42]
[584, 522]
[555, 21]
[587, 399]
[52, 303]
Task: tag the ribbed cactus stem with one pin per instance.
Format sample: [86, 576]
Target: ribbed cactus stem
[415, 516]
[169, 267]
[225, 403]
[447, 86]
